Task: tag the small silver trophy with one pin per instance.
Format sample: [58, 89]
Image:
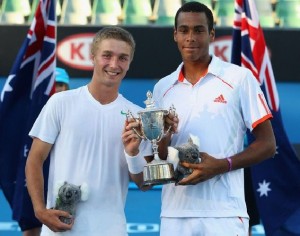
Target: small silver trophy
[152, 127]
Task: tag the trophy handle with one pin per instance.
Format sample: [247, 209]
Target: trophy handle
[130, 115]
[172, 110]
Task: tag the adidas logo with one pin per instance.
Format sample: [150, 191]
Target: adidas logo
[220, 99]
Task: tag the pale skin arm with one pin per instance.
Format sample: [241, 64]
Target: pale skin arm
[131, 142]
[35, 183]
[262, 148]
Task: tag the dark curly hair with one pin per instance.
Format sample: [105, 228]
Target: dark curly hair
[196, 7]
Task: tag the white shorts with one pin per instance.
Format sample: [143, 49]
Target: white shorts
[229, 226]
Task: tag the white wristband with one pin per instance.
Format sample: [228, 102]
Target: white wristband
[135, 163]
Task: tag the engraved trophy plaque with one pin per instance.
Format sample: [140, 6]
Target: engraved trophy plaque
[152, 127]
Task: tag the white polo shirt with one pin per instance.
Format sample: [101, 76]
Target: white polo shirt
[218, 109]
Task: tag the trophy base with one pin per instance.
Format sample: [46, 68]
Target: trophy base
[158, 173]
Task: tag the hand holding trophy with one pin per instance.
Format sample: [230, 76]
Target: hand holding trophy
[152, 128]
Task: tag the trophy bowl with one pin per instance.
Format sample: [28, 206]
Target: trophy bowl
[152, 128]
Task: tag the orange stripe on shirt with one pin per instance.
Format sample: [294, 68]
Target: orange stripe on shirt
[181, 75]
[266, 117]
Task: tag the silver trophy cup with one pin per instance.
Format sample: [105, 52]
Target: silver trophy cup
[152, 127]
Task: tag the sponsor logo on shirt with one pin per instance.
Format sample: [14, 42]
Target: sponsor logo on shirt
[220, 99]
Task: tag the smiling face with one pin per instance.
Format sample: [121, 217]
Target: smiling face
[193, 37]
[111, 61]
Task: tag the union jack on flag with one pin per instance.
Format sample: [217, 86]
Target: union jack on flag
[26, 90]
[276, 181]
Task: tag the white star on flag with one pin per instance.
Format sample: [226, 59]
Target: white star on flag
[276, 151]
[25, 151]
[7, 87]
[263, 188]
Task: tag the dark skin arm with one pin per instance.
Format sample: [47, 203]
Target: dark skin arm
[172, 121]
[262, 148]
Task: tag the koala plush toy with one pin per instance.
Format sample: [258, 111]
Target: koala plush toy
[68, 196]
[187, 152]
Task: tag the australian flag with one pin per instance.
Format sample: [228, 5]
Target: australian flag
[26, 90]
[276, 181]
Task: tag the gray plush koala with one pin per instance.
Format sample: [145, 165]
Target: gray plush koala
[187, 152]
[69, 195]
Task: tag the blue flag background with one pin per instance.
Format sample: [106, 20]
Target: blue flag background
[276, 181]
[27, 89]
